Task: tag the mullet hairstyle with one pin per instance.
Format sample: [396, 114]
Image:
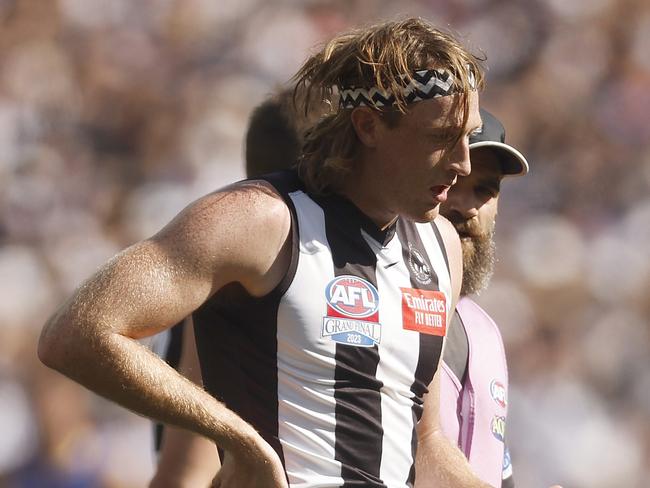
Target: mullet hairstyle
[383, 56]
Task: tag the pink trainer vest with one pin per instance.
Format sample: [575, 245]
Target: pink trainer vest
[477, 424]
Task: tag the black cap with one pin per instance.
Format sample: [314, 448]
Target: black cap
[493, 135]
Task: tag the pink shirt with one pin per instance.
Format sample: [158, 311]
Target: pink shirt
[477, 424]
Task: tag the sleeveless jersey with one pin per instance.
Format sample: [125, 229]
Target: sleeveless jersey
[168, 345]
[473, 409]
[331, 367]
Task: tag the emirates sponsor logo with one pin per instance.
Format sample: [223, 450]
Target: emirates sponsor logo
[424, 311]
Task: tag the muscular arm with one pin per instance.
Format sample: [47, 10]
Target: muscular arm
[154, 284]
[186, 459]
[440, 463]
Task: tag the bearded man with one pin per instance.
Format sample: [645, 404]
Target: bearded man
[474, 383]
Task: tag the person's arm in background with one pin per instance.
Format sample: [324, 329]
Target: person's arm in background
[186, 460]
[439, 463]
[156, 283]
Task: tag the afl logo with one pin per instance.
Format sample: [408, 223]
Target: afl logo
[352, 296]
[498, 392]
[498, 427]
[419, 266]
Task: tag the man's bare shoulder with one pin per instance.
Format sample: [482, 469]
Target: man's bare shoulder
[447, 231]
[238, 231]
[237, 206]
[454, 254]
[249, 198]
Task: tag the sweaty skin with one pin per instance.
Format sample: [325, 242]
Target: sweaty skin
[401, 165]
[431, 124]
[214, 242]
[159, 281]
[186, 460]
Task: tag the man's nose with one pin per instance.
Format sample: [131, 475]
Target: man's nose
[460, 162]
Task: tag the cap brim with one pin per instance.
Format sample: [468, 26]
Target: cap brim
[513, 162]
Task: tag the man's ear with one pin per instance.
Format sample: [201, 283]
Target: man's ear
[367, 125]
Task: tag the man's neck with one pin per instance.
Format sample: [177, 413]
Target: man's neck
[367, 196]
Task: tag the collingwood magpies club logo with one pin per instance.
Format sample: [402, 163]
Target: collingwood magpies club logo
[419, 266]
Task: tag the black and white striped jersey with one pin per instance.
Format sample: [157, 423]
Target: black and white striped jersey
[331, 367]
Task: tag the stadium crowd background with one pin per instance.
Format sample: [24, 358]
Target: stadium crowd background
[115, 114]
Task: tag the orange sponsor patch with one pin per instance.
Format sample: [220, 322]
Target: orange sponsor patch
[424, 311]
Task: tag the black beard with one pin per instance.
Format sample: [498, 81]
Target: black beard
[478, 262]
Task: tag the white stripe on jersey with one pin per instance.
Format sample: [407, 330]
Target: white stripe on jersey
[396, 374]
[306, 361]
[438, 262]
[306, 388]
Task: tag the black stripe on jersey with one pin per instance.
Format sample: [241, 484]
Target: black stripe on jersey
[173, 353]
[456, 353]
[436, 231]
[233, 366]
[430, 345]
[173, 357]
[286, 182]
[359, 431]
[240, 371]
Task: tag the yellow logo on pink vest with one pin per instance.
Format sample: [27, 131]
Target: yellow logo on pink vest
[424, 311]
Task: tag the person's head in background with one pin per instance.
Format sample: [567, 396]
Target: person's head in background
[472, 203]
[276, 132]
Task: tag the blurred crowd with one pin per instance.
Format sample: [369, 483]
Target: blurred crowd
[115, 114]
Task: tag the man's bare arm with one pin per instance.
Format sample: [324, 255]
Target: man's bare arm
[186, 460]
[440, 463]
[153, 285]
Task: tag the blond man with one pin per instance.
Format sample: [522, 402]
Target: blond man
[320, 297]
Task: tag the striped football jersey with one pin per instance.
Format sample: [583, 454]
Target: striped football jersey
[332, 366]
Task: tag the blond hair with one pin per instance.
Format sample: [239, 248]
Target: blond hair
[383, 56]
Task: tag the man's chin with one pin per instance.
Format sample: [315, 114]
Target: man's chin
[426, 216]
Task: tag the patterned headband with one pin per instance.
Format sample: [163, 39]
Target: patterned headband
[426, 83]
